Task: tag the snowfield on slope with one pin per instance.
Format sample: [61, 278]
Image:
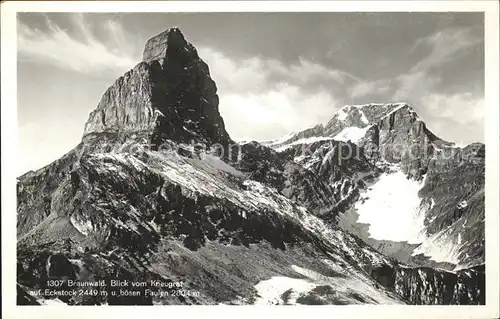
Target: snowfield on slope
[353, 134]
[391, 208]
[272, 290]
[350, 289]
[442, 247]
[309, 140]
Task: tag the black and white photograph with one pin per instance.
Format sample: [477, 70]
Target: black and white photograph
[331, 158]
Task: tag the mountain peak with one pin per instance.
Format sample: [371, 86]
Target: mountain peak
[171, 39]
[168, 96]
[365, 114]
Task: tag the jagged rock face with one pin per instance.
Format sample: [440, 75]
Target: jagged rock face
[126, 106]
[455, 220]
[263, 164]
[169, 95]
[358, 116]
[342, 166]
[389, 132]
[35, 190]
[403, 138]
[387, 138]
[317, 130]
[426, 286]
[164, 44]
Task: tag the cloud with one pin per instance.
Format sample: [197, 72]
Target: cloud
[257, 73]
[233, 75]
[413, 86]
[423, 82]
[264, 98]
[81, 50]
[307, 70]
[445, 46]
[275, 112]
[40, 145]
[364, 88]
[458, 117]
[466, 108]
[441, 47]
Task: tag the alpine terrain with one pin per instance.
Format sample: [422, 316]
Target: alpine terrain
[158, 205]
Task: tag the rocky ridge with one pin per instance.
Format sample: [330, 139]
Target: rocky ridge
[364, 143]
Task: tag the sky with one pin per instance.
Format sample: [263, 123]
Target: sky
[276, 73]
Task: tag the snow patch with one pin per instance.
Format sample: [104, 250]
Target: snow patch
[299, 159]
[52, 302]
[328, 155]
[462, 204]
[364, 119]
[342, 114]
[271, 290]
[397, 108]
[279, 140]
[308, 140]
[391, 208]
[83, 227]
[189, 131]
[158, 113]
[441, 247]
[218, 164]
[353, 134]
[76, 262]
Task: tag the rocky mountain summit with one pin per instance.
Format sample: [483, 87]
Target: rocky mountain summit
[377, 149]
[168, 96]
[157, 205]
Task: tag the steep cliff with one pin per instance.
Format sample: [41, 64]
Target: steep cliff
[169, 95]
